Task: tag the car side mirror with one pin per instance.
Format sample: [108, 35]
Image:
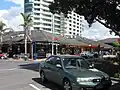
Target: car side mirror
[58, 66]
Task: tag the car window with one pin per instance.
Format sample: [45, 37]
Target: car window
[84, 64]
[75, 63]
[53, 60]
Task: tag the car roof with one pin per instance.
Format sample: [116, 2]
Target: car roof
[68, 56]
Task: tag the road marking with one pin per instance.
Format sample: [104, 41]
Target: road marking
[36, 88]
[8, 69]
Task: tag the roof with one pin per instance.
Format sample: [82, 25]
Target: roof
[109, 40]
[69, 41]
[67, 55]
[92, 42]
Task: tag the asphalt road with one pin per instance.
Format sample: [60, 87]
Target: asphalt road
[20, 75]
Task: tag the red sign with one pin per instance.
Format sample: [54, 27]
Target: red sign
[118, 40]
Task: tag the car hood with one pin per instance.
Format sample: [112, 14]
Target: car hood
[86, 73]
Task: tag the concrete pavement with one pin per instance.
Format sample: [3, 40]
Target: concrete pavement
[23, 75]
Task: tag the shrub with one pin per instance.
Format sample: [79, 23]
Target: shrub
[117, 75]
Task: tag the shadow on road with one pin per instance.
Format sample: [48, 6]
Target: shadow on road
[115, 87]
[30, 66]
[47, 84]
[107, 67]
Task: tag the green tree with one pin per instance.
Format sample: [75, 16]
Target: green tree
[3, 30]
[26, 25]
[106, 12]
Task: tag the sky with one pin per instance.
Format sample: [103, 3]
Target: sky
[10, 14]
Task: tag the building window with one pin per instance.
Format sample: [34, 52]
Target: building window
[73, 33]
[73, 29]
[74, 18]
[77, 26]
[45, 10]
[36, 28]
[57, 17]
[70, 32]
[28, 10]
[80, 20]
[70, 28]
[36, 18]
[73, 25]
[77, 34]
[46, 15]
[46, 24]
[48, 29]
[37, 0]
[57, 22]
[36, 13]
[80, 17]
[77, 19]
[35, 4]
[74, 15]
[69, 24]
[37, 9]
[70, 17]
[46, 19]
[45, 5]
[77, 30]
[28, 5]
[77, 23]
[74, 22]
[70, 21]
[57, 26]
[36, 23]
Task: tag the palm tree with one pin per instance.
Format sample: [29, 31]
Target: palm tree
[26, 25]
[3, 29]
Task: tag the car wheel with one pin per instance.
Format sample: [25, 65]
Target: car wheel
[42, 76]
[106, 88]
[67, 85]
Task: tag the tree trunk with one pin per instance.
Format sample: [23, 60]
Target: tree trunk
[32, 51]
[25, 44]
[1, 39]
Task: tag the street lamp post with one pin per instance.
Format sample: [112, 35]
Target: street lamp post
[53, 34]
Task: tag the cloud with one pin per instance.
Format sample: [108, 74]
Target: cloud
[97, 32]
[19, 2]
[12, 17]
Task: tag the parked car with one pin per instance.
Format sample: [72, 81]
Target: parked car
[73, 73]
[87, 54]
[3, 55]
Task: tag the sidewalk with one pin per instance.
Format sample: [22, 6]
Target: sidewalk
[21, 59]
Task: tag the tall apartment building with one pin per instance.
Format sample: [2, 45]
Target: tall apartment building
[75, 25]
[43, 18]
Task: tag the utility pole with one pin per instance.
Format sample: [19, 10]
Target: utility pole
[53, 34]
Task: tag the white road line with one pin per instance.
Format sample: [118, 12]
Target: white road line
[8, 69]
[36, 88]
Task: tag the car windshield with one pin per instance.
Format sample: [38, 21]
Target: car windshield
[75, 63]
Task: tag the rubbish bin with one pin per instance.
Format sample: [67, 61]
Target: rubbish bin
[25, 58]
